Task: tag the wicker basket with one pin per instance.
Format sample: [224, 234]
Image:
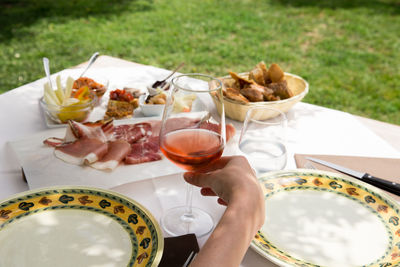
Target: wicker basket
[237, 111]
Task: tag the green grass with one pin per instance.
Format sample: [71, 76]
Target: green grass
[348, 51]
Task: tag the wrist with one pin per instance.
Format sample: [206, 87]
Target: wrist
[248, 201]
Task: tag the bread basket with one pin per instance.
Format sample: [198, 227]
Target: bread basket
[237, 111]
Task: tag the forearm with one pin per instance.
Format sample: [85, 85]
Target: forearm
[230, 240]
[234, 182]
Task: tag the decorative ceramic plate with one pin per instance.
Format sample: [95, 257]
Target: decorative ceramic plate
[318, 218]
[77, 226]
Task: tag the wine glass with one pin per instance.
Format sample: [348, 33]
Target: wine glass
[263, 139]
[192, 136]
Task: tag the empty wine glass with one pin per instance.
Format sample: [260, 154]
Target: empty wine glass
[263, 139]
[191, 137]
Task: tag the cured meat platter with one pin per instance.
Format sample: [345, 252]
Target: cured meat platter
[42, 168]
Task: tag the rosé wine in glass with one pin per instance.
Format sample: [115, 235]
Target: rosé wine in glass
[191, 137]
[192, 149]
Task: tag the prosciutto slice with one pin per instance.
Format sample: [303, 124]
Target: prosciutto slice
[117, 151]
[75, 130]
[230, 129]
[53, 141]
[82, 151]
[94, 130]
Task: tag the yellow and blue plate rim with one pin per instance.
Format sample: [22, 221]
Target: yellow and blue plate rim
[376, 200]
[143, 229]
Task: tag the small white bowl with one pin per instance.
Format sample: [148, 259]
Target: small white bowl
[150, 109]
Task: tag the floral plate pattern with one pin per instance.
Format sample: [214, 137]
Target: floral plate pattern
[369, 197]
[143, 230]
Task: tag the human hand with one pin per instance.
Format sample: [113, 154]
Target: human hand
[234, 182]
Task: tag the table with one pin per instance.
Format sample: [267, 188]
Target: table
[310, 127]
[389, 132]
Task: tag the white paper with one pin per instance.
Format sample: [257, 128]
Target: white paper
[42, 168]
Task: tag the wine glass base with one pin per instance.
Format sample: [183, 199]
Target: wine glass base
[177, 222]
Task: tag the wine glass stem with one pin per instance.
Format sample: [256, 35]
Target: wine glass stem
[188, 215]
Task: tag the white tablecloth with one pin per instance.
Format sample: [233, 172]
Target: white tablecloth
[312, 130]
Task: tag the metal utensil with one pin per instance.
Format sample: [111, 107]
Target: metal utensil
[91, 61]
[389, 186]
[162, 83]
[46, 66]
[191, 257]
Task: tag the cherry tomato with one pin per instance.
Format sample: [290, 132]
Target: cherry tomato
[121, 95]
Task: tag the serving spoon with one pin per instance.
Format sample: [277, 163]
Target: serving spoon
[91, 61]
[47, 70]
[162, 82]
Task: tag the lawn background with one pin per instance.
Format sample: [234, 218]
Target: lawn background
[348, 51]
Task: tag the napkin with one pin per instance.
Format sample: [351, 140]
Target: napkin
[384, 168]
[177, 250]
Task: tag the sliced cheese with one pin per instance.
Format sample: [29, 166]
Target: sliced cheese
[51, 95]
[59, 91]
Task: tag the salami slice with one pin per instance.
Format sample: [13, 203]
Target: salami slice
[146, 151]
[132, 133]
